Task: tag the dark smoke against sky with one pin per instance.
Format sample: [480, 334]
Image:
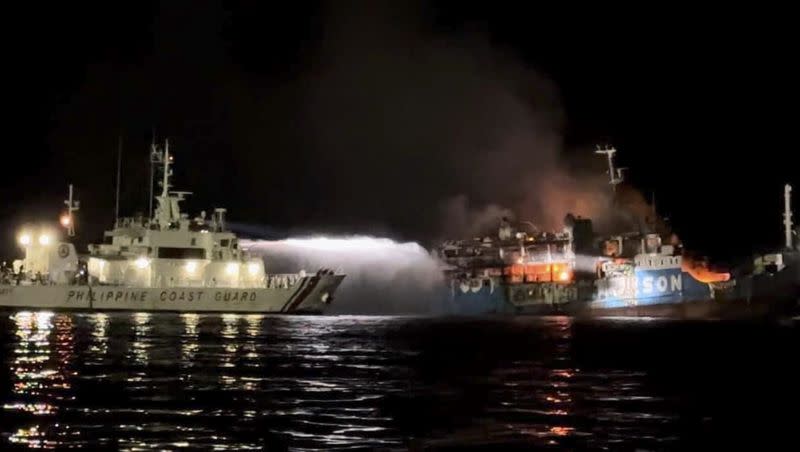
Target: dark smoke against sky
[438, 133]
[382, 122]
[357, 118]
[426, 120]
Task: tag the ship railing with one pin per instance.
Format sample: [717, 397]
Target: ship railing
[127, 222]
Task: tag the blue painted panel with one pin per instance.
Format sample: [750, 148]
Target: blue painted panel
[641, 287]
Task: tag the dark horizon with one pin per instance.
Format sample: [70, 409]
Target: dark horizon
[381, 118]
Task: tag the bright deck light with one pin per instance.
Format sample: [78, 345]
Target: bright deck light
[191, 267]
[232, 268]
[252, 268]
[25, 239]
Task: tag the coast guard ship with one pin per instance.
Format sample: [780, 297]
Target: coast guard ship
[168, 262]
[522, 270]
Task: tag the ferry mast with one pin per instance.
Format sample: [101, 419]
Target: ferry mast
[614, 174]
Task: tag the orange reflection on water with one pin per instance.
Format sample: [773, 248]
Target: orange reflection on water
[561, 431]
[562, 373]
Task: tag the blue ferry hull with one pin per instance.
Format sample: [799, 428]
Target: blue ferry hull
[642, 288]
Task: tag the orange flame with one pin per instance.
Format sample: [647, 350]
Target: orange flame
[700, 271]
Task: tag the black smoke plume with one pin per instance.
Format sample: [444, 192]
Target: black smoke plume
[374, 118]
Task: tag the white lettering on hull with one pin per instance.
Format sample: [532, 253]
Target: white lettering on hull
[189, 299]
[631, 287]
[164, 295]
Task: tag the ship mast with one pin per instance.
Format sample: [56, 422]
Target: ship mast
[614, 174]
[72, 206]
[168, 211]
[119, 179]
[164, 215]
[165, 181]
[787, 214]
[155, 158]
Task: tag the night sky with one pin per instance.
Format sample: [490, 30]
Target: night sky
[383, 117]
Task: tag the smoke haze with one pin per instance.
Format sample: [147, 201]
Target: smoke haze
[381, 121]
[382, 276]
[448, 132]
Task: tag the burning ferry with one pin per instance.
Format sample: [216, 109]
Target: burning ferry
[523, 270]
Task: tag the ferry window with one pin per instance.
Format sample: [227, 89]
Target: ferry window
[194, 241]
[181, 253]
[224, 243]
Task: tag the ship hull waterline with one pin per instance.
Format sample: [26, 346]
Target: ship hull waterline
[691, 300]
[310, 295]
[771, 307]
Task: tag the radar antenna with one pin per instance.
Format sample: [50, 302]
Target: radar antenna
[615, 174]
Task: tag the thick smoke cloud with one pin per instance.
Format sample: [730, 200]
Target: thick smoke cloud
[377, 121]
[441, 134]
[462, 219]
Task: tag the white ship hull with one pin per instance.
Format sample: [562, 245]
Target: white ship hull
[311, 294]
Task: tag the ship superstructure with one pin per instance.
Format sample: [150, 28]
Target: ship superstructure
[575, 270]
[172, 249]
[518, 268]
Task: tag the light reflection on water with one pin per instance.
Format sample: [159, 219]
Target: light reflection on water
[189, 339]
[99, 345]
[141, 344]
[238, 382]
[40, 370]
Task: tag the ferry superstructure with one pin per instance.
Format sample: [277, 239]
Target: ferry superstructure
[520, 269]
